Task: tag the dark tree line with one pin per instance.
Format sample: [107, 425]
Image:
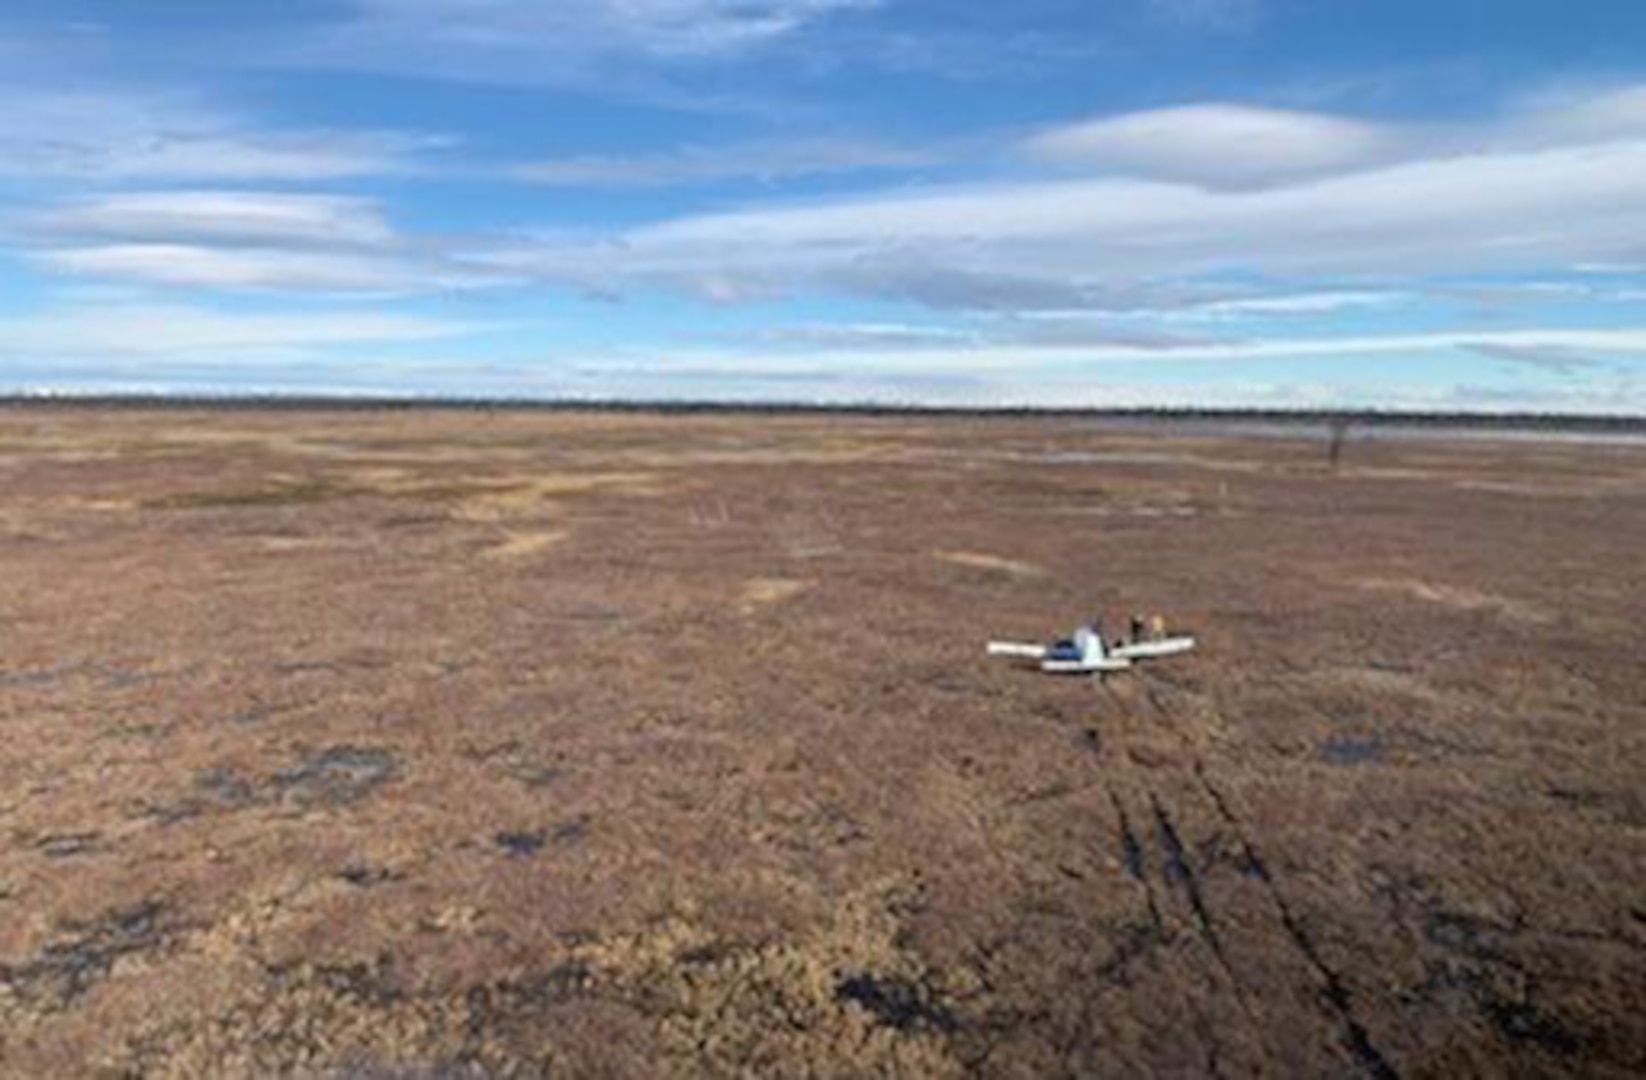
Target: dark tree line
[1337, 423]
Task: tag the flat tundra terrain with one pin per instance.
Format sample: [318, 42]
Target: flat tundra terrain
[448, 744]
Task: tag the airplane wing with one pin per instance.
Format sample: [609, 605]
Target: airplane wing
[1009, 648]
[1154, 650]
[1085, 667]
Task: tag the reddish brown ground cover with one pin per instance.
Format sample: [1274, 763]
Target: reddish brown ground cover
[465, 744]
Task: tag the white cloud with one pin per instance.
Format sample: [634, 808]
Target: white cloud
[565, 41]
[1231, 145]
[1220, 145]
[245, 240]
[1593, 116]
[253, 268]
[126, 135]
[165, 331]
[901, 364]
[1545, 202]
[222, 217]
[1298, 304]
[1610, 269]
[1180, 304]
[760, 161]
[1483, 197]
[1043, 359]
[977, 338]
[1050, 243]
[661, 27]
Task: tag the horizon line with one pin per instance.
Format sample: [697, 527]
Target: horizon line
[345, 400]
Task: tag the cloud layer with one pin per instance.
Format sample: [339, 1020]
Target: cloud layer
[683, 28]
[1216, 144]
[244, 240]
[617, 45]
[145, 332]
[1309, 195]
[136, 135]
[766, 162]
[640, 187]
[1516, 209]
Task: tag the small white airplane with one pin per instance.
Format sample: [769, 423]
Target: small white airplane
[1086, 653]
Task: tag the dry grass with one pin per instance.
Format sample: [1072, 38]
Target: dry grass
[521, 744]
[525, 544]
[997, 564]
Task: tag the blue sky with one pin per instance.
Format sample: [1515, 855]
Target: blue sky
[1386, 203]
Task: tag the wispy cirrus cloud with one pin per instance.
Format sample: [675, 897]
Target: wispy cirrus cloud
[1553, 358]
[258, 269]
[1084, 353]
[1290, 304]
[666, 28]
[766, 161]
[978, 338]
[1065, 239]
[114, 345]
[1096, 366]
[1114, 243]
[1540, 193]
[147, 330]
[133, 135]
[569, 41]
[276, 218]
[1210, 303]
[241, 240]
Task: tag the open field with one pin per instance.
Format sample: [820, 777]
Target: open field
[429, 743]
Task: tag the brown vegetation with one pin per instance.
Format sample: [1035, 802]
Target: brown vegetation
[498, 744]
